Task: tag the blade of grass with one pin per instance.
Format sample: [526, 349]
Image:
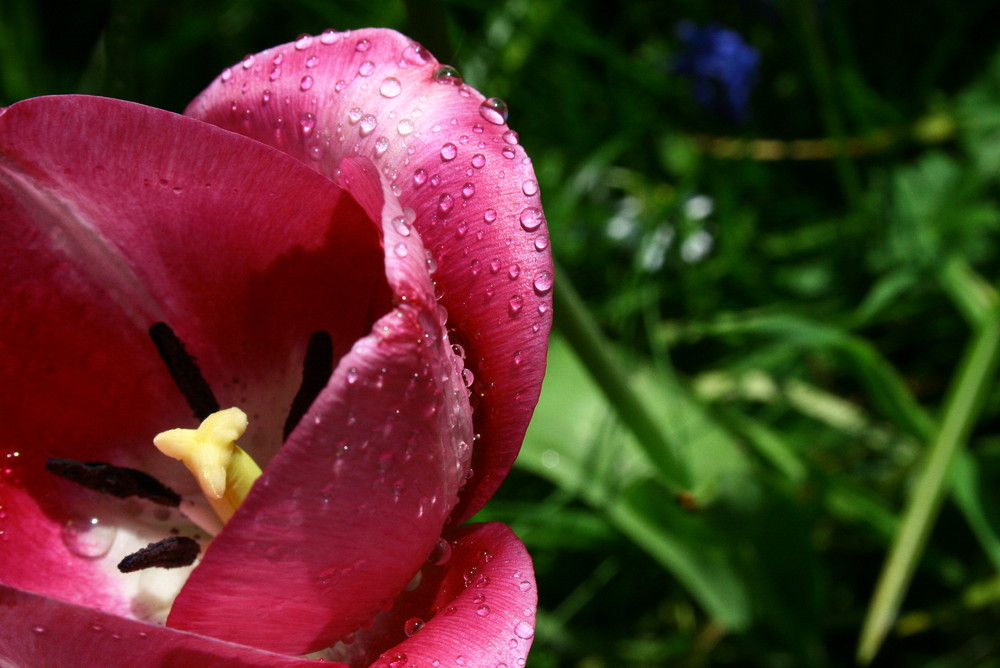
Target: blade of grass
[961, 409]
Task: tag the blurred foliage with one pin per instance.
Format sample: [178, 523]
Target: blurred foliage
[782, 361]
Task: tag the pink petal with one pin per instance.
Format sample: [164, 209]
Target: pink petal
[40, 631]
[475, 609]
[115, 216]
[372, 93]
[348, 510]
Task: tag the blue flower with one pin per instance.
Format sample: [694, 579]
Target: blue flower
[722, 67]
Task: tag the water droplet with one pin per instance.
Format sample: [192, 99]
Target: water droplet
[340, 86]
[542, 282]
[399, 224]
[490, 215]
[524, 586]
[468, 190]
[478, 160]
[448, 152]
[412, 625]
[517, 358]
[38, 629]
[354, 115]
[531, 219]
[303, 42]
[420, 177]
[227, 74]
[398, 661]
[307, 123]
[529, 187]
[363, 45]
[494, 110]
[248, 61]
[441, 553]
[524, 630]
[445, 203]
[508, 152]
[306, 83]
[381, 146]
[468, 377]
[329, 36]
[88, 538]
[368, 124]
[390, 87]
[400, 250]
[312, 61]
[483, 610]
[510, 137]
[447, 74]
[515, 304]
[265, 97]
[541, 243]
[352, 375]
[405, 127]
[514, 271]
[494, 266]
[366, 69]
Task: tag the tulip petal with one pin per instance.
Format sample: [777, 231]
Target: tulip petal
[348, 510]
[116, 216]
[477, 608]
[40, 631]
[453, 161]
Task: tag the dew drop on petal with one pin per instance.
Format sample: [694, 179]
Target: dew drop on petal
[312, 61]
[441, 553]
[248, 61]
[420, 177]
[445, 203]
[381, 146]
[515, 304]
[529, 187]
[405, 127]
[468, 190]
[448, 152]
[362, 45]
[447, 74]
[524, 630]
[368, 124]
[329, 36]
[307, 123]
[524, 586]
[366, 69]
[227, 74]
[412, 625]
[468, 377]
[483, 610]
[478, 160]
[541, 243]
[306, 83]
[531, 218]
[415, 54]
[88, 538]
[303, 42]
[510, 137]
[390, 87]
[490, 215]
[400, 250]
[514, 271]
[542, 282]
[494, 110]
[399, 224]
[354, 115]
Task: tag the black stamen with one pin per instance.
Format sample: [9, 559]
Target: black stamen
[172, 552]
[183, 369]
[117, 481]
[316, 370]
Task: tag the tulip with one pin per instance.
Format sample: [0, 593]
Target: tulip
[344, 242]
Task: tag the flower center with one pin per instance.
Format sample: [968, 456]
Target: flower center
[224, 471]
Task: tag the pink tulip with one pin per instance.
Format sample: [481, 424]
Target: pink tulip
[399, 216]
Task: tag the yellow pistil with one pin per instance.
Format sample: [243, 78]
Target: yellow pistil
[223, 469]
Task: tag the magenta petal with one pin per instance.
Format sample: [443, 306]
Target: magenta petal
[475, 609]
[115, 216]
[40, 631]
[348, 510]
[453, 161]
